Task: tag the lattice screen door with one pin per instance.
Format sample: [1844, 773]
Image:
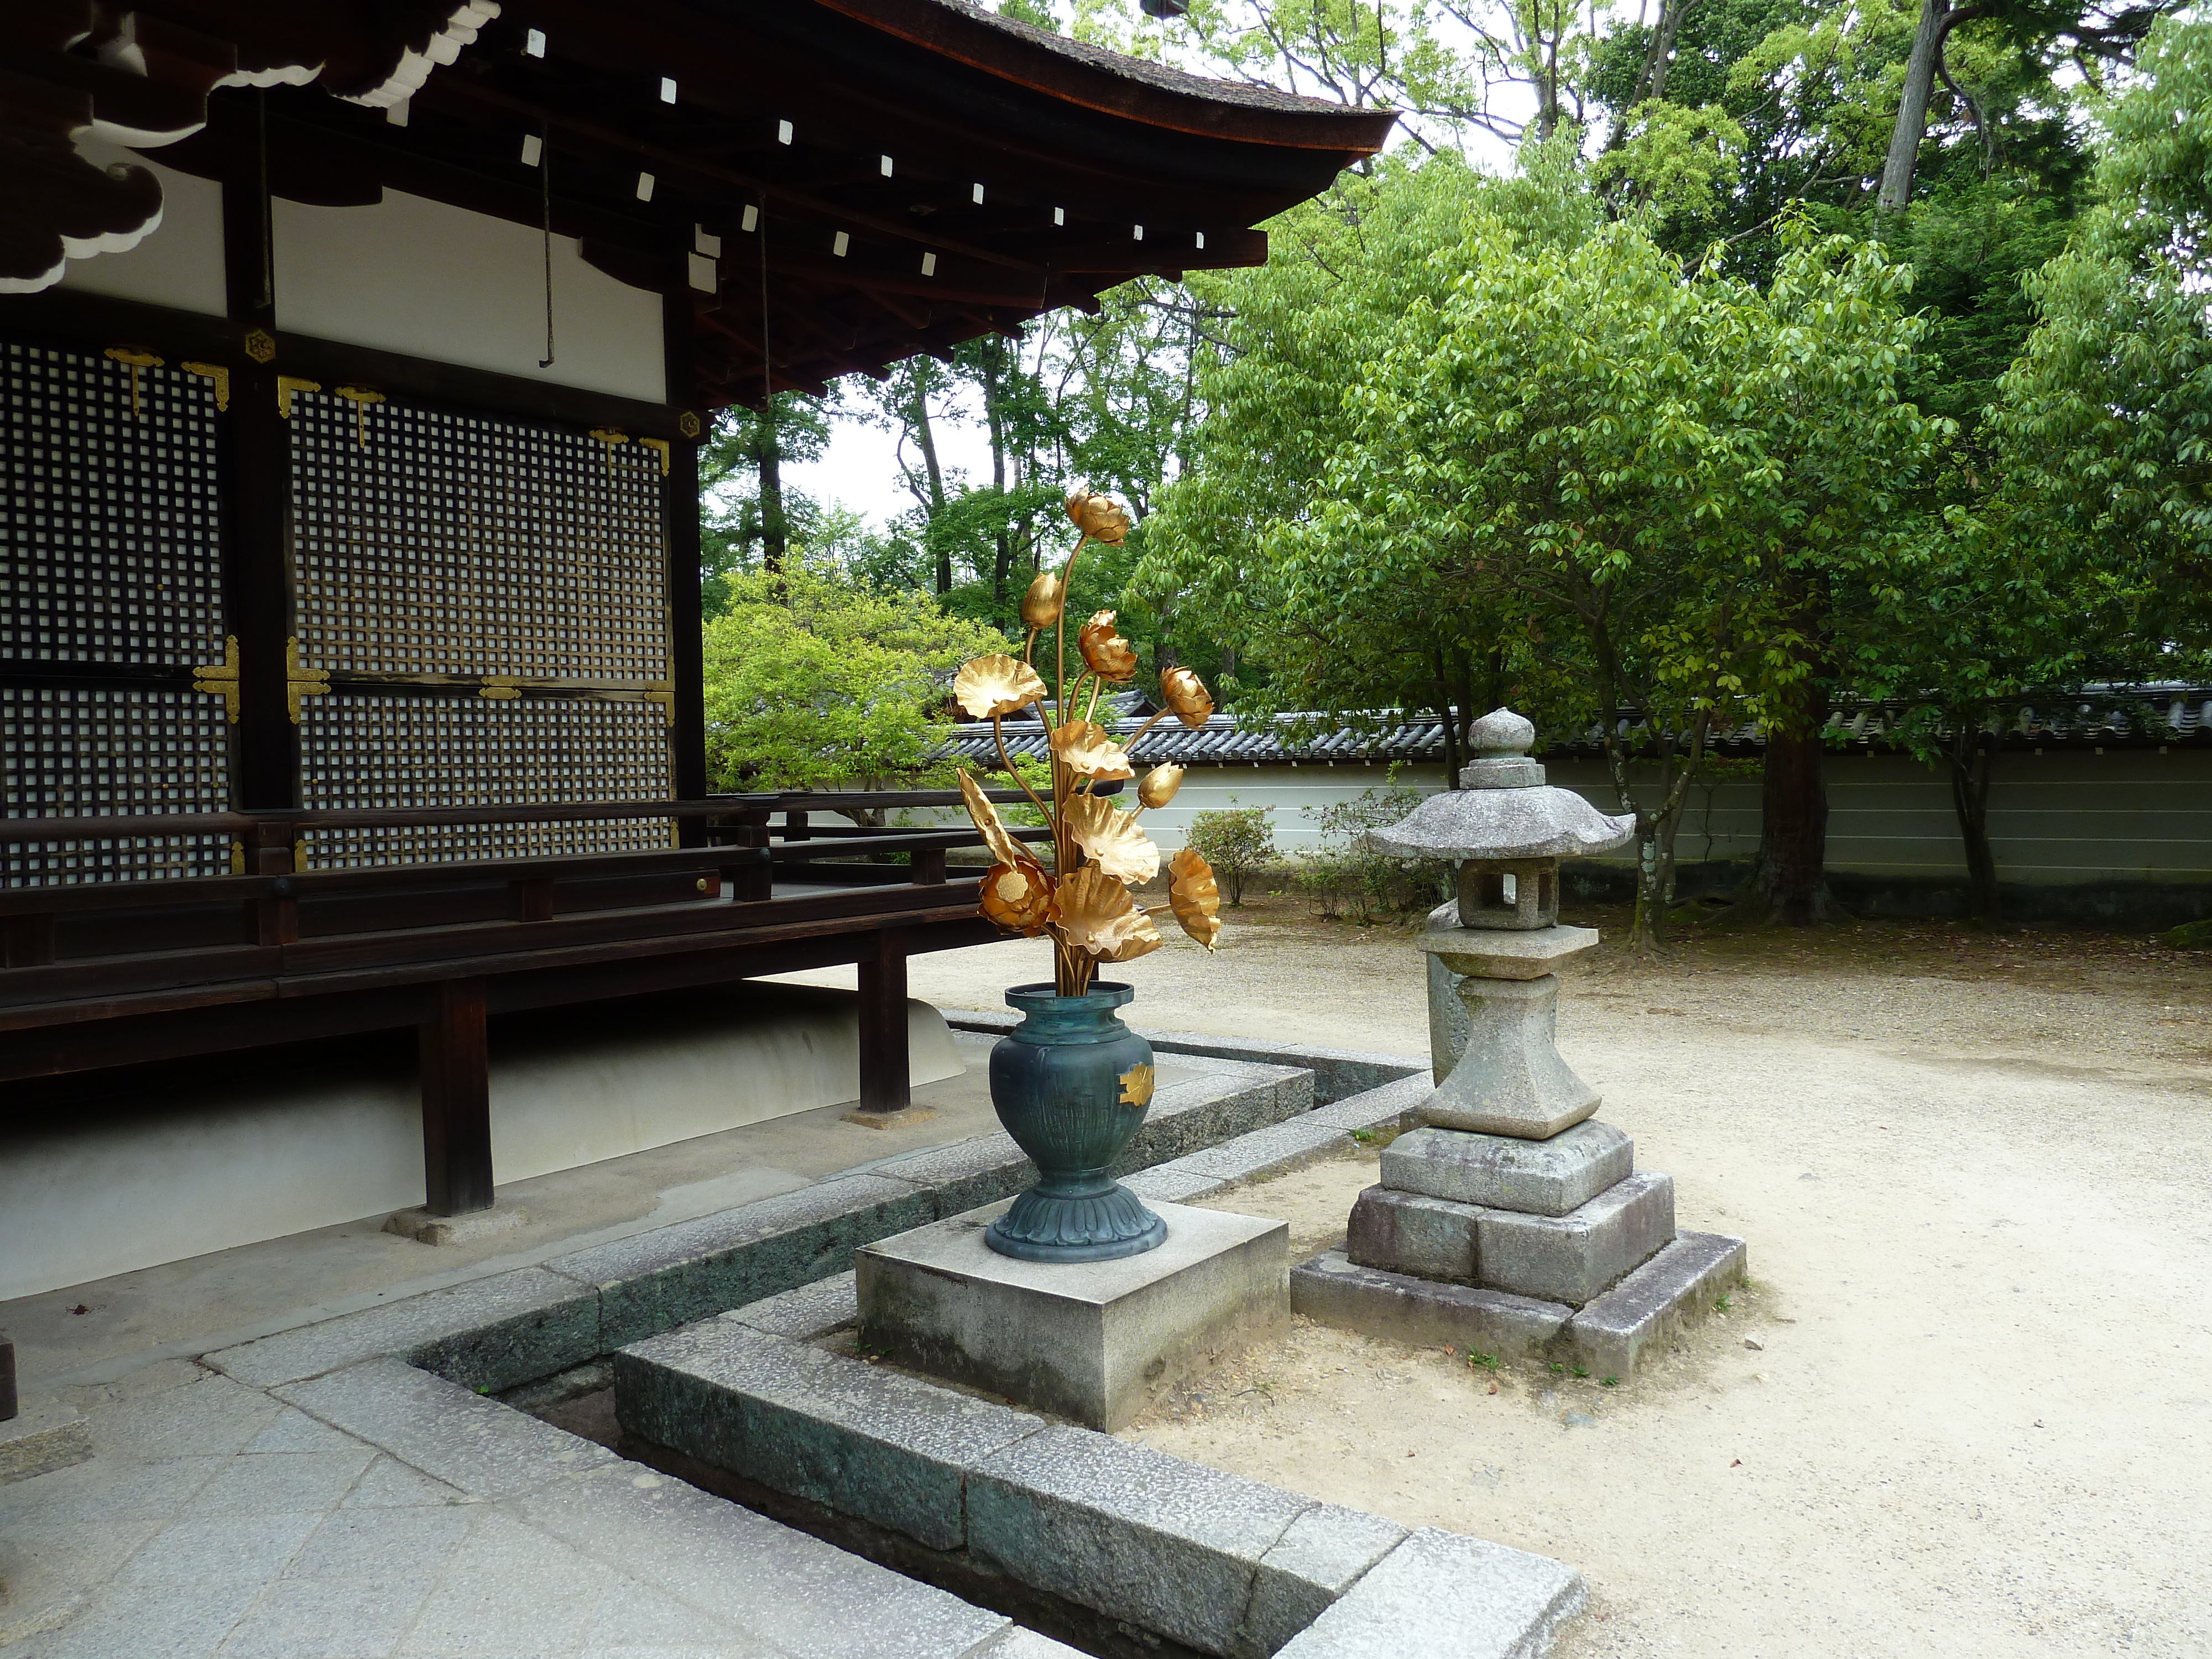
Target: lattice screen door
[488, 600]
[111, 596]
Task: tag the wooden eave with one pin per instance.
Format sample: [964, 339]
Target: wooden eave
[956, 96]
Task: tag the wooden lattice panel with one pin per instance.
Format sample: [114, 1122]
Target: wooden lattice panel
[83, 752]
[108, 539]
[432, 542]
[364, 752]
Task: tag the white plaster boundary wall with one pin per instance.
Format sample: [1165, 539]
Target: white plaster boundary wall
[431, 281]
[2064, 816]
[264, 1153]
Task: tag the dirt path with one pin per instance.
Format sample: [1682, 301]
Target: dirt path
[1974, 1171]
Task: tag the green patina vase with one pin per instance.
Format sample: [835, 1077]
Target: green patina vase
[1072, 1084]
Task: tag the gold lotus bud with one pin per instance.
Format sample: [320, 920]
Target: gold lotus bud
[1018, 896]
[1186, 694]
[1110, 839]
[1160, 785]
[1099, 516]
[1093, 912]
[1194, 897]
[1109, 654]
[1043, 604]
[996, 684]
[1085, 748]
[1004, 848]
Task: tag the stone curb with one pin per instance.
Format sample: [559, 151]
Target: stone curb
[42, 1437]
[1339, 1073]
[1439, 1593]
[512, 1327]
[1220, 1563]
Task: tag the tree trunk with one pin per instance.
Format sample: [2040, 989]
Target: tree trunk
[1791, 876]
[1937, 19]
[775, 530]
[994, 419]
[1660, 56]
[918, 420]
[1973, 757]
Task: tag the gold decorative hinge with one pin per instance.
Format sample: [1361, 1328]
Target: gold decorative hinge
[302, 682]
[667, 702]
[660, 444]
[360, 398]
[500, 688]
[288, 384]
[220, 679]
[216, 373]
[134, 358]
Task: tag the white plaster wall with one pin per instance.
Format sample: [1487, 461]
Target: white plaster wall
[431, 281]
[181, 264]
[264, 1154]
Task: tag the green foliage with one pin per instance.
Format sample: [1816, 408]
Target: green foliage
[1343, 871]
[2104, 433]
[734, 513]
[1235, 841]
[813, 682]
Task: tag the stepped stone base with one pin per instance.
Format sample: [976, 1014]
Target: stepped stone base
[1573, 1258]
[1609, 1337]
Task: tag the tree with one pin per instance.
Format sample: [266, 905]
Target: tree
[747, 518]
[813, 681]
[2104, 435]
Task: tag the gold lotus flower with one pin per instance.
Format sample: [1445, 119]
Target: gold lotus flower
[1085, 748]
[1005, 849]
[1110, 839]
[1094, 913]
[1104, 649]
[1194, 897]
[1186, 694]
[1099, 516]
[996, 684]
[1046, 599]
[1160, 785]
[1019, 896]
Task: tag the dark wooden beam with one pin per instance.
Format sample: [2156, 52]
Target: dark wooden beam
[686, 733]
[886, 1083]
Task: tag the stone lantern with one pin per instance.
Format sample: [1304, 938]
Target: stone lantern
[1508, 1220]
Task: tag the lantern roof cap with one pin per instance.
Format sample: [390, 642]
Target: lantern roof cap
[1502, 809]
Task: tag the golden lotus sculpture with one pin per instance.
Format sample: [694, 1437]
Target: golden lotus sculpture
[1071, 1083]
[1096, 849]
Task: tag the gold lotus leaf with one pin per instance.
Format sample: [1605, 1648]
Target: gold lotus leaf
[1005, 849]
[1105, 650]
[1099, 516]
[1085, 748]
[996, 684]
[1043, 604]
[1160, 785]
[1186, 694]
[1195, 897]
[1018, 896]
[1136, 1085]
[1093, 912]
[1111, 840]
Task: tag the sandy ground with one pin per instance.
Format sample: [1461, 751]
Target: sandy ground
[1972, 1168]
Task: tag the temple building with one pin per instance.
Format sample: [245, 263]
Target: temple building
[355, 357]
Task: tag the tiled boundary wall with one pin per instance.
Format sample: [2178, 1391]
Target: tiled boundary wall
[2123, 836]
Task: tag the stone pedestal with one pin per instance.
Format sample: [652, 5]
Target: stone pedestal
[1097, 1342]
[1509, 1079]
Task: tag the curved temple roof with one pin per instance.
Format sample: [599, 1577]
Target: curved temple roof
[881, 177]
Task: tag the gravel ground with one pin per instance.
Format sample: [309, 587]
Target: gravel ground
[1972, 1168]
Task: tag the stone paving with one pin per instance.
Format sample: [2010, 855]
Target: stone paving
[218, 1520]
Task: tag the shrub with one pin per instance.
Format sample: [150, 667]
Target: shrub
[1235, 841]
[1343, 871]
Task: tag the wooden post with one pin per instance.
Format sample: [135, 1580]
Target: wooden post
[456, 1102]
[929, 867]
[885, 1084]
[680, 510]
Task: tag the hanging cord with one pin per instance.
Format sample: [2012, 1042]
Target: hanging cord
[545, 208]
[768, 385]
[268, 216]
